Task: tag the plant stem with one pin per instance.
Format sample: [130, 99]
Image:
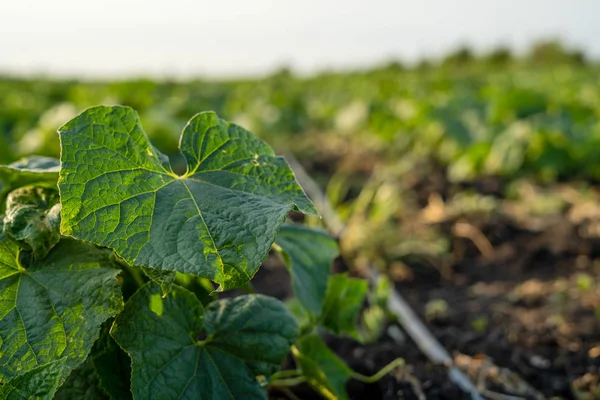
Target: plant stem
[288, 382]
[289, 373]
[398, 362]
[276, 247]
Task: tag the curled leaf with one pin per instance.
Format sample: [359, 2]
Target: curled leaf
[33, 216]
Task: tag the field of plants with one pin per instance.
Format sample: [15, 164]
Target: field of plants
[471, 188]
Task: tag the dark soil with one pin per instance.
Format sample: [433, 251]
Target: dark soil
[523, 322]
[509, 310]
[531, 308]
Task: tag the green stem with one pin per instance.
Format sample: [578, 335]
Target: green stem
[288, 382]
[398, 362]
[289, 373]
[277, 247]
[20, 267]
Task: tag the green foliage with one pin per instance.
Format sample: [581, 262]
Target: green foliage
[308, 254]
[38, 171]
[345, 297]
[332, 302]
[323, 301]
[218, 220]
[470, 118]
[52, 309]
[164, 278]
[433, 113]
[552, 51]
[499, 56]
[81, 384]
[39, 383]
[324, 371]
[33, 216]
[459, 57]
[178, 349]
[76, 237]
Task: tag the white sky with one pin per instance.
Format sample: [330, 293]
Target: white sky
[246, 37]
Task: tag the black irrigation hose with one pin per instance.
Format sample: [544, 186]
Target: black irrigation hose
[411, 323]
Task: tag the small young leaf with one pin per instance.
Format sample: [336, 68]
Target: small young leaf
[203, 288]
[322, 368]
[33, 216]
[164, 278]
[179, 350]
[54, 308]
[217, 221]
[41, 171]
[309, 255]
[345, 297]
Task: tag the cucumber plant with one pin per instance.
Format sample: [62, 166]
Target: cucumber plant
[106, 258]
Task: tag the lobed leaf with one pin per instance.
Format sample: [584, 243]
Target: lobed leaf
[217, 221]
[52, 309]
[180, 350]
[308, 254]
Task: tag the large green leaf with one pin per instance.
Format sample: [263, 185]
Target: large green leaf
[309, 253]
[322, 368]
[217, 221]
[41, 171]
[53, 308]
[344, 300]
[181, 351]
[33, 216]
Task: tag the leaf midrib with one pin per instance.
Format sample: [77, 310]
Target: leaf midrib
[222, 264]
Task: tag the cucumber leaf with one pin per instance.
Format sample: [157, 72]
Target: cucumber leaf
[41, 171]
[344, 300]
[39, 383]
[33, 216]
[308, 254]
[52, 309]
[31, 170]
[323, 369]
[179, 349]
[217, 221]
